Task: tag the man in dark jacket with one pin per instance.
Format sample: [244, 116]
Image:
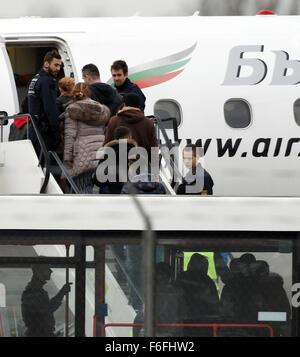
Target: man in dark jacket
[101, 92]
[197, 181]
[37, 308]
[122, 143]
[42, 94]
[201, 300]
[123, 84]
[168, 304]
[131, 116]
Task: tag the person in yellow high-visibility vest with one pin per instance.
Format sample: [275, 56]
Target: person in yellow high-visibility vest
[211, 265]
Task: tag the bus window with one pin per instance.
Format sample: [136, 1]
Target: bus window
[2, 295]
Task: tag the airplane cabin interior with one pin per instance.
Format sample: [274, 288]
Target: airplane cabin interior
[26, 61]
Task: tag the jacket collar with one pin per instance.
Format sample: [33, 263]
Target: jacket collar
[128, 108]
[116, 142]
[126, 83]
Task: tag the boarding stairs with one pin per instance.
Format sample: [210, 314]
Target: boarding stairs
[23, 173]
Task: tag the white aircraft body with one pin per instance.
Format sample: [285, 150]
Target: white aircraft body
[235, 79]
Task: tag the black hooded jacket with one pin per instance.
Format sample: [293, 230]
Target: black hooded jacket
[105, 94]
[129, 87]
[113, 185]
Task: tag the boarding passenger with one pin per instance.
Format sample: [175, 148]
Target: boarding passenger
[273, 294]
[65, 86]
[101, 92]
[242, 298]
[84, 136]
[42, 94]
[123, 84]
[201, 300]
[122, 133]
[247, 258]
[131, 116]
[236, 295]
[212, 271]
[270, 285]
[111, 184]
[168, 304]
[253, 289]
[37, 309]
[197, 181]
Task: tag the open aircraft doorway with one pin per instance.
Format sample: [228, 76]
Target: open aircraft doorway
[26, 58]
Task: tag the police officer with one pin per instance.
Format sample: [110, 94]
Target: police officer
[42, 94]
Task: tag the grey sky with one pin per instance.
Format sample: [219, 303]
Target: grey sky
[77, 8]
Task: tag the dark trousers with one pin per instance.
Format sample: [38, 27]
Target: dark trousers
[51, 140]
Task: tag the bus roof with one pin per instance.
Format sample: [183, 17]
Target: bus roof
[166, 213]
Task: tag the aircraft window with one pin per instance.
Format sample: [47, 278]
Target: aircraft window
[168, 108]
[237, 113]
[297, 111]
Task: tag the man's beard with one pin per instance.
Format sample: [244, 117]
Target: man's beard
[52, 73]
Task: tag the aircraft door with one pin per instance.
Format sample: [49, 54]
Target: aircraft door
[8, 97]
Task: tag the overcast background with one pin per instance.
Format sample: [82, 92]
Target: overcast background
[76, 8]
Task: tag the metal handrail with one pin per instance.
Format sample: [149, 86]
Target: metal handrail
[121, 265]
[44, 153]
[169, 144]
[3, 121]
[174, 124]
[214, 326]
[65, 171]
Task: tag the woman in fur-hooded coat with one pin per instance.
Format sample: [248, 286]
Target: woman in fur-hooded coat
[85, 120]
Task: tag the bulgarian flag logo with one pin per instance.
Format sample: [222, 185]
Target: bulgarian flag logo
[161, 70]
